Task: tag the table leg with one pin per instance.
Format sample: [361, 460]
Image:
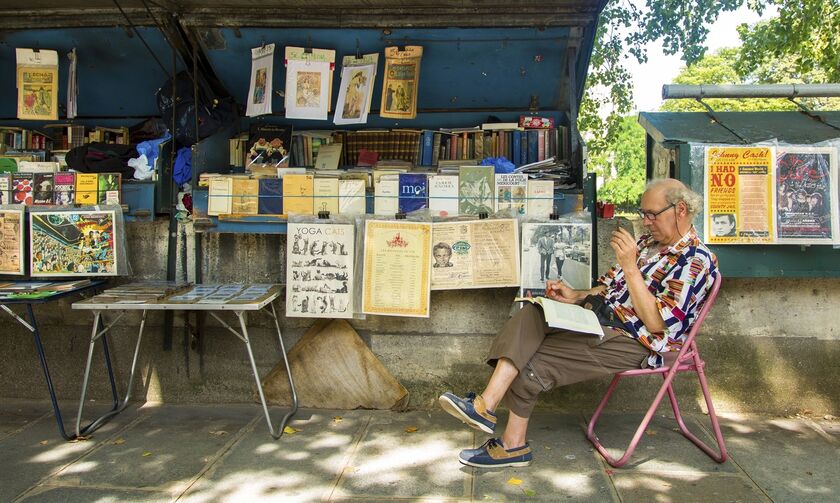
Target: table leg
[96, 423]
[279, 432]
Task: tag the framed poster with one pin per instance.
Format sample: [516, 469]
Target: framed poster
[319, 270]
[806, 189]
[397, 261]
[11, 242]
[72, 243]
[555, 250]
[739, 192]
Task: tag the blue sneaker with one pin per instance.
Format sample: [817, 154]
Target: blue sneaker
[494, 455]
[470, 410]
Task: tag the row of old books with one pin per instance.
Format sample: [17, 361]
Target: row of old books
[60, 188]
[474, 190]
[279, 145]
[15, 138]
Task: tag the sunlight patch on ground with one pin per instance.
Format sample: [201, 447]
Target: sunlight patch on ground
[58, 453]
[569, 484]
[253, 486]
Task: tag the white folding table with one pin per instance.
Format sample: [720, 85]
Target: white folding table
[264, 303]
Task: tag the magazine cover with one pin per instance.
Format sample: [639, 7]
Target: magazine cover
[72, 243]
[319, 271]
[402, 77]
[37, 84]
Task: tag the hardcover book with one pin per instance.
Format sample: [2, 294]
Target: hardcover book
[351, 197]
[475, 189]
[412, 192]
[42, 185]
[443, 195]
[108, 188]
[246, 193]
[297, 194]
[86, 188]
[22, 189]
[511, 192]
[64, 188]
[219, 196]
[325, 190]
[328, 156]
[271, 196]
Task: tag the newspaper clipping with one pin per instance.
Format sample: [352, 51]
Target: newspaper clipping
[475, 254]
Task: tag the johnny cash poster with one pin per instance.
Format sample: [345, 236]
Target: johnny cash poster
[805, 186]
[319, 270]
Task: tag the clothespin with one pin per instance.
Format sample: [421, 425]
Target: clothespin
[358, 51]
[483, 215]
[323, 215]
[308, 48]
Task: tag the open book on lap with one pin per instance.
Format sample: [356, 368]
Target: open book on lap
[568, 316]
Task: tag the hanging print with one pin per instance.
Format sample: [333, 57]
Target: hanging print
[259, 92]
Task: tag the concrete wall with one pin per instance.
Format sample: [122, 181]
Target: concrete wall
[771, 345]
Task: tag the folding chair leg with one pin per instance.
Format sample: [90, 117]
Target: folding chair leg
[637, 437]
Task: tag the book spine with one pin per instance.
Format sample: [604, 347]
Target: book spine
[516, 150]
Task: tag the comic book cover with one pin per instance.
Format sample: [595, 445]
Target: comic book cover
[73, 243]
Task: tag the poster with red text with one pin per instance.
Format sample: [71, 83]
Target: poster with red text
[739, 195]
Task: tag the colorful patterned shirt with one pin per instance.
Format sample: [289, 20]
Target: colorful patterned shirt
[679, 276]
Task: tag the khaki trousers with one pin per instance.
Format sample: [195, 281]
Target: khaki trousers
[549, 357]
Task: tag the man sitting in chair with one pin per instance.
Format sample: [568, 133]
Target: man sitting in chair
[654, 292]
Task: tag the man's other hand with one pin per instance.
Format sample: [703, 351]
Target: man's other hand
[624, 246]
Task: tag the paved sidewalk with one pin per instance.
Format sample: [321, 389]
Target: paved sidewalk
[202, 453]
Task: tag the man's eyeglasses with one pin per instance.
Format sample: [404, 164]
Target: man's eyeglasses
[651, 215]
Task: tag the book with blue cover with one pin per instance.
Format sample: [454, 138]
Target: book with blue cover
[271, 196]
[413, 192]
[428, 139]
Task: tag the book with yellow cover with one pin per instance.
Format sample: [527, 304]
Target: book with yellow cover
[326, 194]
[87, 185]
[298, 191]
[246, 193]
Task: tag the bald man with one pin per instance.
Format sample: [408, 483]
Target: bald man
[654, 291]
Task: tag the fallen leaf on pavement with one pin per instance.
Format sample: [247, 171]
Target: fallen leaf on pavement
[146, 454]
[119, 441]
[514, 481]
[44, 442]
[411, 429]
[218, 433]
[338, 419]
[288, 430]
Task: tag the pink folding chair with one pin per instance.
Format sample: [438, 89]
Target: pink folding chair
[688, 360]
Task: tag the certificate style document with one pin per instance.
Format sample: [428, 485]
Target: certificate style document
[397, 260]
[475, 254]
[319, 270]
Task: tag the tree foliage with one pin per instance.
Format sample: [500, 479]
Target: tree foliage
[797, 46]
[622, 165]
